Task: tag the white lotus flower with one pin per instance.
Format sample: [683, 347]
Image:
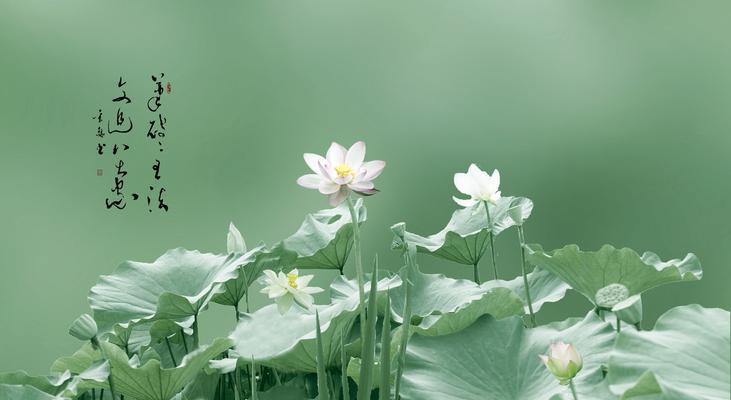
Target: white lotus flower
[289, 288]
[341, 171]
[477, 184]
[563, 361]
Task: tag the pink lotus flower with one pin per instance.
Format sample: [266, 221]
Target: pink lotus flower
[341, 171]
[563, 361]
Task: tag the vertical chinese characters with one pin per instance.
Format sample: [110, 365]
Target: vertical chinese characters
[156, 133]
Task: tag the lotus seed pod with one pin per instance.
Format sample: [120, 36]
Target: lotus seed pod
[610, 295]
[83, 328]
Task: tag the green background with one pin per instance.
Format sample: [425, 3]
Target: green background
[613, 116]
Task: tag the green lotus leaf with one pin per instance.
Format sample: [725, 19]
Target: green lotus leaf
[21, 392]
[88, 368]
[610, 276]
[325, 238]
[249, 266]
[53, 384]
[287, 342]
[686, 356]
[498, 360]
[544, 286]
[203, 387]
[466, 236]
[443, 305]
[148, 380]
[176, 286]
[77, 363]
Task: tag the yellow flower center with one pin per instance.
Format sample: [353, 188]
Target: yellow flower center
[292, 280]
[343, 170]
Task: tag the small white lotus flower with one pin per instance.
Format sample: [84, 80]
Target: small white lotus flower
[563, 361]
[341, 171]
[477, 184]
[234, 241]
[288, 288]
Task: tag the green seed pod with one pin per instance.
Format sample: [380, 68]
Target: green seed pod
[610, 295]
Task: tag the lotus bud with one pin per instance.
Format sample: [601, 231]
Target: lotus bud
[84, 328]
[234, 241]
[563, 361]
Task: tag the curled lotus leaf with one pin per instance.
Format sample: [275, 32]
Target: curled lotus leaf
[176, 286]
[611, 277]
[685, 356]
[467, 236]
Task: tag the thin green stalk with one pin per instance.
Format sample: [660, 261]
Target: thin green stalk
[344, 368]
[492, 237]
[358, 264]
[521, 238]
[237, 387]
[619, 323]
[573, 389]
[236, 310]
[109, 378]
[254, 392]
[101, 394]
[411, 265]
[185, 340]
[246, 292]
[170, 350]
[384, 391]
[195, 331]
[477, 273]
[368, 355]
[323, 393]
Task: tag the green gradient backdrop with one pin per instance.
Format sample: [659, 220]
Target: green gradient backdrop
[613, 116]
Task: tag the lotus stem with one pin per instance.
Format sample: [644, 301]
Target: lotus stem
[246, 293]
[476, 273]
[411, 265]
[385, 360]
[101, 394]
[236, 310]
[322, 390]
[195, 331]
[573, 389]
[109, 378]
[344, 368]
[254, 391]
[492, 237]
[185, 340]
[521, 238]
[237, 387]
[619, 323]
[358, 264]
[369, 340]
[170, 350]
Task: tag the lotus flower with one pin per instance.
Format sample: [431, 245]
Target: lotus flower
[234, 241]
[564, 361]
[289, 288]
[477, 184]
[341, 171]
